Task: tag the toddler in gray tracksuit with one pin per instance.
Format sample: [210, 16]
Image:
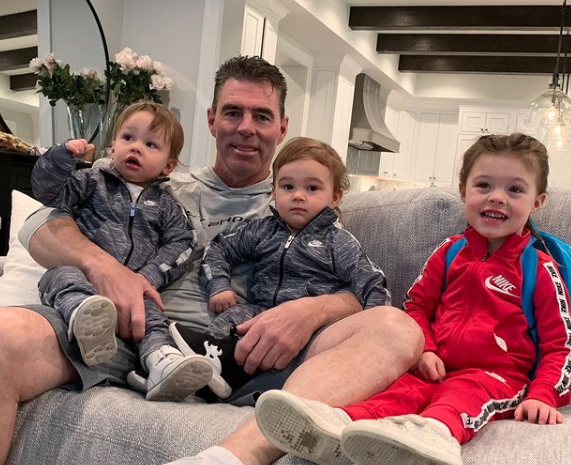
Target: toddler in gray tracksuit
[297, 252]
[124, 210]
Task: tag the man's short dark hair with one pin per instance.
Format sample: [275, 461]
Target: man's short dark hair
[247, 68]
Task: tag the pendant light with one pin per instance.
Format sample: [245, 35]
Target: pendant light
[551, 111]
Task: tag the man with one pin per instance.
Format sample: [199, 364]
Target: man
[248, 121]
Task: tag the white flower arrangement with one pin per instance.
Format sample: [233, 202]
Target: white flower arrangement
[133, 77]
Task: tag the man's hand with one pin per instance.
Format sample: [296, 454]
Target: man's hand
[222, 301]
[430, 368]
[79, 147]
[274, 337]
[539, 412]
[126, 289]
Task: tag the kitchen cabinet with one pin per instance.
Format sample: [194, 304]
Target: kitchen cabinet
[485, 121]
[435, 153]
[397, 165]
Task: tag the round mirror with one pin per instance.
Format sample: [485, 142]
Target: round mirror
[82, 46]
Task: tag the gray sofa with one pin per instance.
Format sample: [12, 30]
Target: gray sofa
[398, 229]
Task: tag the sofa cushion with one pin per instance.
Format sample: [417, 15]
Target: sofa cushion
[113, 425]
[399, 229]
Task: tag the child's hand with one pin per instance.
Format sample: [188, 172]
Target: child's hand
[539, 412]
[222, 301]
[79, 147]
[430, 367]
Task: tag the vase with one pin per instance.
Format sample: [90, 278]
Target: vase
[107, 126]
[84, 123]
[83, 120]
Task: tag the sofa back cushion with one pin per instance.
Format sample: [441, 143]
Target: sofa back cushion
[400, 229]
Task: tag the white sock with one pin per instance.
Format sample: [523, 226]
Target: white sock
[70, 335]
[218, 456]
[342, 414]
[440, 425]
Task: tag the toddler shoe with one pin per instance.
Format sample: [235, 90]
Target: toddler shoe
[227, 374]
[407, 439]
[174, 377]
[92, 324]
[304, 428]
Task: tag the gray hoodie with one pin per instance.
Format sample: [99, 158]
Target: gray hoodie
[212, 207]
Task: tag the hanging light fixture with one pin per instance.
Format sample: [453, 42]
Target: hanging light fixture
[551, 111]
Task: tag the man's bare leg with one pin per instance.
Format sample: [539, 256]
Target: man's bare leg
[348, 362]
[31, 363]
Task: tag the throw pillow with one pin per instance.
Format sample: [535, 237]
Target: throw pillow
[19, 282]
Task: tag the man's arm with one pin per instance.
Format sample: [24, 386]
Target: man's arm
[59, 242]
[274, 337]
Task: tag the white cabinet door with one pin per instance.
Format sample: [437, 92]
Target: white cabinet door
[443, 172]
[463, 143]
[472, 121]
[485, 122]
[252, 32]
[497, 123]
[405, 135]
[521, 124]
[387, 164]
[427, 144]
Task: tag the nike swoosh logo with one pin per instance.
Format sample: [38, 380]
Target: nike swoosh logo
[493, 287]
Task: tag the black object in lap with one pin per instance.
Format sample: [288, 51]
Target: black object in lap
[217, 350]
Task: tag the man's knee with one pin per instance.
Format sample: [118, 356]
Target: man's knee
[395, 328]
[21, 330]
[31, 360]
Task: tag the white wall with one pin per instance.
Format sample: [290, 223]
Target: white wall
[73, 38]
[170, 35]
[173, 36]
[23, 124]
[481, 87]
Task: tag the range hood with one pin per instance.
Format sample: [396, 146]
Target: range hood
[368, 128]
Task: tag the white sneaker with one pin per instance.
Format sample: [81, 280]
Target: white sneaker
[407, 439]
[174, 377]
[304, 428]
[92, 324]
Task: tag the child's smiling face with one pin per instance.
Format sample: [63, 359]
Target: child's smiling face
[499, 195]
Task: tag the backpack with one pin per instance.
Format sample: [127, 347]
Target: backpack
[550, 244]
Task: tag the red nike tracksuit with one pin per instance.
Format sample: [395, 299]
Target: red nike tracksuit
[474, 322]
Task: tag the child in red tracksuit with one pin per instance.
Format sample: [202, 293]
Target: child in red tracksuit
[478, 350]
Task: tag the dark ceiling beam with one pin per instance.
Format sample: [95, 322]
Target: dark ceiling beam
[476, 64]
[19, 82]
[19, 24]
[377, 18]
[468, 44]
[17, 59]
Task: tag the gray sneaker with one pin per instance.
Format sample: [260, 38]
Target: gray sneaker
[304, 428]
[93, 326]
[407, 439]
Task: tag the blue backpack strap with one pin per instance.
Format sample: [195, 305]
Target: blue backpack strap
[451, 254]
[529, 271]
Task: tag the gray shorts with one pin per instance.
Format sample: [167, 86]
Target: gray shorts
[127, 359]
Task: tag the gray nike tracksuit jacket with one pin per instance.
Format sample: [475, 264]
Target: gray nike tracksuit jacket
[320, 259]
[150, 235]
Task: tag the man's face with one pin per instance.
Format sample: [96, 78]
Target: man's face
[247, 128]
